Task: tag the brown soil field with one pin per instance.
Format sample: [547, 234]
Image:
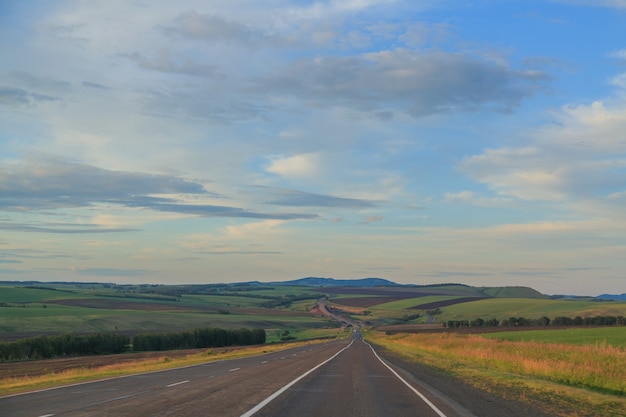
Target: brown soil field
[444, 303]
[121, 305]
[365, 301]
[268, 312]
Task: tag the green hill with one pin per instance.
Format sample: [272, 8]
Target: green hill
[511, 292]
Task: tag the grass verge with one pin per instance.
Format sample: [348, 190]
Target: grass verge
[566, 380]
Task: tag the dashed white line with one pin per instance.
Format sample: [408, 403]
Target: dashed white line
[177, 383]
[234, 369]
[47, 415]
[272, 397]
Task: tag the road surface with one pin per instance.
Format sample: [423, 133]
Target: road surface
[340, 378]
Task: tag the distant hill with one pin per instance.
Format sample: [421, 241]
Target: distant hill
[511, 292]
[458, 289]
[332, 282]
[621, 297]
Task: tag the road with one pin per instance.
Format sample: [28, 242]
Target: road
[360, 385]
[340, 378]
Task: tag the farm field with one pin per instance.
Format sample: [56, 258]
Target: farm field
[27, 311]
[410, 308]
[599, 336]
[502, 308]
[569, 378]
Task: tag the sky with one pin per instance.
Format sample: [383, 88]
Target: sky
[438, 141]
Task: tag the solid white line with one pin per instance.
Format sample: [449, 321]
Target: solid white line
[419, 394]
[177, 383]
[272, 397]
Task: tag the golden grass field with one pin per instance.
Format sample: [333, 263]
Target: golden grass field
[569, 380]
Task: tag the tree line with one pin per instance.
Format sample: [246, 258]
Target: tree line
[541, 321]
[198, 338]
[71, 344]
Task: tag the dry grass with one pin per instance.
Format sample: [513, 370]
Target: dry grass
[13, 385]
[583, 380]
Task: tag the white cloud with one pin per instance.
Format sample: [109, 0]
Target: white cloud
[470, 197]
[255, 230]
[620, 80]
[617, 196]
[620, 54]
[302, 165]
[581, 156]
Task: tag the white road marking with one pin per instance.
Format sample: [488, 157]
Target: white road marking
[234, 369]
[47, 415]
[264, 362]
[177, 383]
[419, 394]
[272, 397]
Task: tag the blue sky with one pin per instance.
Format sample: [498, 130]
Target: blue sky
[423, 142]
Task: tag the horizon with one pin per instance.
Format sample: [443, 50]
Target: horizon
[442, 284]
[207, 141]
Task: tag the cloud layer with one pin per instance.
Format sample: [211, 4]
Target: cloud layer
[216, 141]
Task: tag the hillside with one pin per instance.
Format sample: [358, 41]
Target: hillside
[621, 297]
[332, 282]
[511, 292]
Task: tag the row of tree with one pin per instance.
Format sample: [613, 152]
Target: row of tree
[541, 321]
[70, 344]
[46, 347]
[198, 338]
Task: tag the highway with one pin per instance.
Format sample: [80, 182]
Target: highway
[340, 378]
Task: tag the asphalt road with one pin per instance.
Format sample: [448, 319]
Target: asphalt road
[340, 378]
[355, 384]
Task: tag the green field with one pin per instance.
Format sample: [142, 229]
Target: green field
[503, 308]
[84, 308]
[614, 336]
[35, 308]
